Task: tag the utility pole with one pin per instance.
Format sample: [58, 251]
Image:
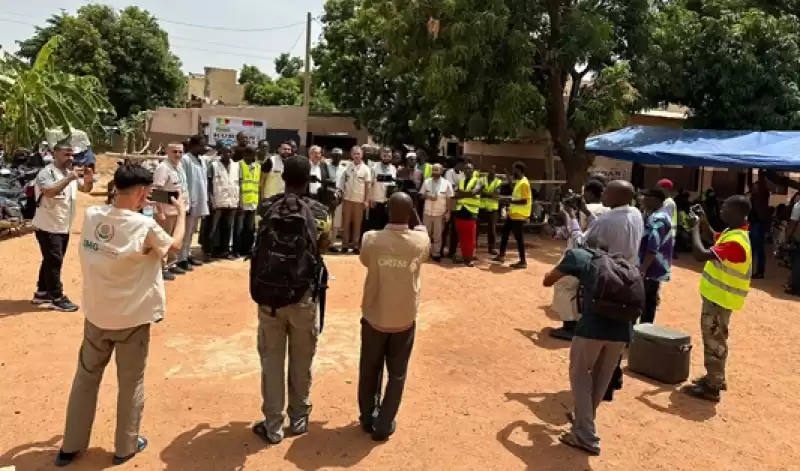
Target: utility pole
[307, 88]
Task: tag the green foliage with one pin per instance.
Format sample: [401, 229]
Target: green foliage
[287, 66]
[287, 90]
[733, 65]
[39, 97]
[127, 51]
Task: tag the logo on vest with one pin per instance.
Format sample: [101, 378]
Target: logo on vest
[104, 232]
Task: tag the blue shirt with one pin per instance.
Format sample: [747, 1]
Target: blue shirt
[657, 239]
[197, 183]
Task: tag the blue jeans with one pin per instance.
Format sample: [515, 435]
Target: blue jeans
[758, 242]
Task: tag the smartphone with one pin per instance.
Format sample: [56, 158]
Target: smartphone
[163, 196]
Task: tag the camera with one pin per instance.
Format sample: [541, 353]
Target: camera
[384, 178]
[572, 200]
[696, 209]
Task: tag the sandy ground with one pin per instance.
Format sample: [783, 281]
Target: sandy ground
[487, 388]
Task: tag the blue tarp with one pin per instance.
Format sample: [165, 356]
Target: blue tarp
[777, 150]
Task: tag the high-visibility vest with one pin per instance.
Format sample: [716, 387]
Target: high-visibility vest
[250, 182]
[725, 283]
[521, 212]
[473, 203]
[427, 170]
[489, 188]
[226, 185]
[674, 215]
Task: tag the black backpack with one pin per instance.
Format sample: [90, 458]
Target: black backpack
[618, 290]
[286, 262]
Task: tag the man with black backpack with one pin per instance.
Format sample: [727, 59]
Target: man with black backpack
[612, 296]
[288, 281]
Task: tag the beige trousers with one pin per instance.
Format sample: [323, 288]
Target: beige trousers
[168, 224]
[435, 227]
[298, 326]
[352, 216]
[98, 344]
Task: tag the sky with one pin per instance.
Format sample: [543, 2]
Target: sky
[208, 42]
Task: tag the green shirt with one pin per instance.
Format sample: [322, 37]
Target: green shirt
[577, 263]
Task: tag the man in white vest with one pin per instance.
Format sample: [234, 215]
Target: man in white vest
[272, 172]
[224, 196]
[384, 173]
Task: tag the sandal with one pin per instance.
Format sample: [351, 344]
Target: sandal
[141, 444]
[570, 440]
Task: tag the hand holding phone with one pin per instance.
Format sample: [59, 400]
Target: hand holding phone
[163, 196]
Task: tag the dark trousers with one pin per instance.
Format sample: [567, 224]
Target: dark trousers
[450, 237]
[795, 280]
[379, 349]
[651, 300]
[378, 217]
[758, 241]
[511, 226]
[244, 232]
[53, 247]
[219, 236]
[490, 218]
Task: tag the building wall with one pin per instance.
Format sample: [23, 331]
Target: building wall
[221, 84]
[336, 124]
[195, 86]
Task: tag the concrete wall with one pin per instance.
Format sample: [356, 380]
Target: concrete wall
[336, 124]
[195, 86]
[221, 84]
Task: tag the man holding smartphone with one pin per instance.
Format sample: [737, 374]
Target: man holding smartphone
[57, 187]
[170, 177]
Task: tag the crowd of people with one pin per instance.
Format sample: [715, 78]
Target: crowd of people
[129, 247]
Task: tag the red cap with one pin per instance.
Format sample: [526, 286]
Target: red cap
[665, 183]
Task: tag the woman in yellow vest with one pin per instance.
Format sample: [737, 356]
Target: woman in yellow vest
[245, 228]
[723, 287]
[519, 212]
[489, 206]
[468, 204]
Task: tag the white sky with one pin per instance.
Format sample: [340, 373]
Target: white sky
[197, 47]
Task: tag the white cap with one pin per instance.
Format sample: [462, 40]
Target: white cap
[411, 155]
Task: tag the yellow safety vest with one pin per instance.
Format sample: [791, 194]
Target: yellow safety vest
[250, 182]
[521, 212]
[488, 203]
[427, 170]
[473, 204]
[725, 283]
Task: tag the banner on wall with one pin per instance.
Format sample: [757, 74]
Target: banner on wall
[224, 131]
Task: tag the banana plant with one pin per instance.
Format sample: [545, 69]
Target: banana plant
[37, 97]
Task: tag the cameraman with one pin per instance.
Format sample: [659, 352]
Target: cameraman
[385, 184]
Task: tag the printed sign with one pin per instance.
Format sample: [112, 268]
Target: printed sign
[224, 131]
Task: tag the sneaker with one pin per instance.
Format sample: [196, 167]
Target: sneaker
[519, 266]
[141, 444]
[702, 380]
[701, 391]
[167, 275]
[195, 262]
[65, 459]
[176, 270]
[356, 251]
[41, 297]
[437, 259]
[272, 438]
[499, 259]
[298, 426]
[63, 304]
[562, 334]
[185, 266]
[381, 435]
[493, 252]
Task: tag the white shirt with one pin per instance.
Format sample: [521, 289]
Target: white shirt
[443, 191]
[453, 177]
[120, 255]
[316, 171]
[379, 189]
[168, 177]
[54, 215]
[620, 230]
[354, 182]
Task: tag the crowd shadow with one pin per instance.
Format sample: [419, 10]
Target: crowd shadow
[224, 448]
[321, 447]
[542, 339]
[17, 307]
[41, 455]
[539, 447]
[680, 404]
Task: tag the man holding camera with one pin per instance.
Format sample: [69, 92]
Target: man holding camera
[385, 184]
[57, 187]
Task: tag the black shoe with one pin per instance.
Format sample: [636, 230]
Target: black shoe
[298, 426]
[562, 334]
[41, 297]
[63, 304]
[167, 275]
[335, 250]
[703, 380]
[141, 444]
[176, 270]
[519, 265]
[273, 438]
[195, 262]
[185, 266]
[702, 391]
[437, 259]
[382, 436]
[493, 252]
[356, 251]
[499, 259]
[65, 459]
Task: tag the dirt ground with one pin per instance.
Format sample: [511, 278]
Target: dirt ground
[487, 388]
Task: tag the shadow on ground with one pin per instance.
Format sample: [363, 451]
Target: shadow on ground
[542, 339]
[536, 444]
[40, 455]
[17, 307]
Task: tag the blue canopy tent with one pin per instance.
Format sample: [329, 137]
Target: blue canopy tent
[654, 145]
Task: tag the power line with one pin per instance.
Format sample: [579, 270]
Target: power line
[250, 56]
[214, 43]
[234, 30]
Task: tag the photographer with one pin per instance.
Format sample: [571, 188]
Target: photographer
[385, 184]
[123, 293]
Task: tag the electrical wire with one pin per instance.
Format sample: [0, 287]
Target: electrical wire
[235, 30]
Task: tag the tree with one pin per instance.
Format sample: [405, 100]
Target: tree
[287, 66]
[127, 51]
[352, 65]
[733, 65]
[286, 90]
[39, 97]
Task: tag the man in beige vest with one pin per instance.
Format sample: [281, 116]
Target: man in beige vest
[224, 175]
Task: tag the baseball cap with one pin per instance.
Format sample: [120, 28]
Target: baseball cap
[665, 183]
